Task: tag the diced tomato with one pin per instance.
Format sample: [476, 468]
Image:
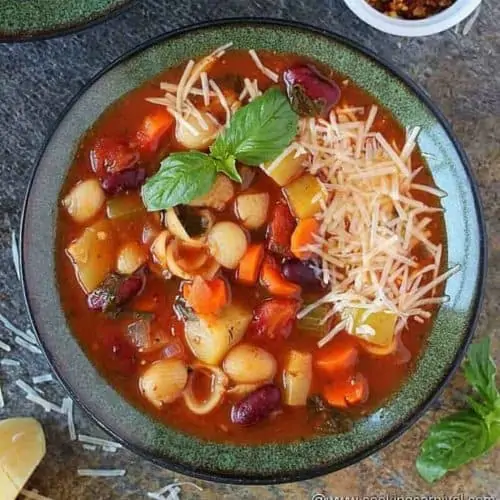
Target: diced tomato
[280, 230]
[112, 155]
[273, 280]
[274, 318]
[153, 128]
[347, 392]
[121, 356]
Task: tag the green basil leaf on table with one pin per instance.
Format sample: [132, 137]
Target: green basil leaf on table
[182, 177]
[452, 442]
[480, 371]
[467, 434]
[259, 131]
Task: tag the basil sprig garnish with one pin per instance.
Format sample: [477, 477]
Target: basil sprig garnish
[467, 434]
[257, 133]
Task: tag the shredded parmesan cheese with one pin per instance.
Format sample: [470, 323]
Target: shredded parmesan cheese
[9, 362]
[172, 490]
[34, 397]
[101, 472]
[370, 222]
[30, 347]
[28, 335]
[5, 347]
[15, 256]
[40, 379]
[83, 438]
[266, 71]
[67, 408]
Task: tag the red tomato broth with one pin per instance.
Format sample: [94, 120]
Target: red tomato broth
[94, 329]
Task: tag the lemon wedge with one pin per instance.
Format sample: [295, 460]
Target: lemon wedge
[22, 447]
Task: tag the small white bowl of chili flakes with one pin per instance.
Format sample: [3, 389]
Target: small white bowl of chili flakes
[412, 17]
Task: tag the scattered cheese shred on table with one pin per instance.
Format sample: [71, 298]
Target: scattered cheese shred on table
[172, 490]
[33, 396]
[15, 255]
[83, 438]
[101, 472]
[28, 335]
[40, 379]
[5, 347]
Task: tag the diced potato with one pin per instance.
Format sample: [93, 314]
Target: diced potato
[286, 169]
[304, 195]
[131, 257]
[85, 200]
[219, 195]
[124, 205]
[22, 447]
[210, 337]
[297, 377]
[227, 243]
[93, 254]
[377, 328]
[252, 209]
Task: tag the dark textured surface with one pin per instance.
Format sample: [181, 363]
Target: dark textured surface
[39, 18]
[38, 79]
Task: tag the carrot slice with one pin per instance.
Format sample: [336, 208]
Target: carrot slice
[249, 267]
[153, 128]
[272, 279]
[206, 297]
[337, 356]
[302, 236]
[348, 392]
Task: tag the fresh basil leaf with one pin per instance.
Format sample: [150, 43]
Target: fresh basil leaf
[259, 131]
[452, 442]
[182, 177]
[480, 371]
[228, 167]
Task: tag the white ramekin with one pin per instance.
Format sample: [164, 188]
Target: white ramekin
[446, 19]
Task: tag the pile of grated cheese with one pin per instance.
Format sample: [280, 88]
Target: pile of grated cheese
[370, 220]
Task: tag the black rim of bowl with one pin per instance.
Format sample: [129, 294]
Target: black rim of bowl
[396, 432]
[67, 29]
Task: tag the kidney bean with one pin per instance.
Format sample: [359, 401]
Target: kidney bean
[115, 291]
[310, 92]
[257, 405]
[304, 273]
[131, 178]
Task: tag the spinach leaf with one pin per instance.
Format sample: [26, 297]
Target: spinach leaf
[467, 434]
[182, 177]
[259, 131]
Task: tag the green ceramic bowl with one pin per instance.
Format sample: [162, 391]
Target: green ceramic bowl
[271, 463]
[33, 19]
